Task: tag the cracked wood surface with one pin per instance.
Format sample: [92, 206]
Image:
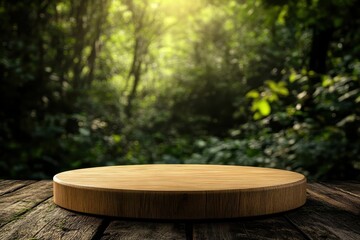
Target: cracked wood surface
[27, 211]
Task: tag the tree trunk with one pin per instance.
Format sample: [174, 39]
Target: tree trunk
[319, 48]
[320, 44]
[79, 35]
[95, 42]
[131, 97]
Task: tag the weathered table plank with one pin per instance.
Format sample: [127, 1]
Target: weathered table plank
[7, 186]
[48, 221]
[16, 203]
[27, 211]
[327, 215]
[144, 230]
[335, 197]
[349, 187]
[275, 227]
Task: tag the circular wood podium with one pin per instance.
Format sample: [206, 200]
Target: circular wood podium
[179, 191]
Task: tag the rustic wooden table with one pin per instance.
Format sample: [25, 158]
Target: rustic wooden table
[27, 211]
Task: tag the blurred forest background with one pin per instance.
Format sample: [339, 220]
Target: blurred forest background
[105, 82]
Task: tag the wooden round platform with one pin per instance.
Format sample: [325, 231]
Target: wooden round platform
[179, 191]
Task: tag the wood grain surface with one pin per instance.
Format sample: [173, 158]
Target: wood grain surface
[179, 191]
[28, 212]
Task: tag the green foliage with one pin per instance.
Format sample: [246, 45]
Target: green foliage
[320, 137]
[261, 83]
[271, 92]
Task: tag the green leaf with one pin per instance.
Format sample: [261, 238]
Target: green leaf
[272, 97]
[116, 138]
[311, 73]
[264, 107]
[327, 81]
[279, 88]
[257, 116]
[253, 94]
[282, 15]
[293, 77]
[255, 106]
